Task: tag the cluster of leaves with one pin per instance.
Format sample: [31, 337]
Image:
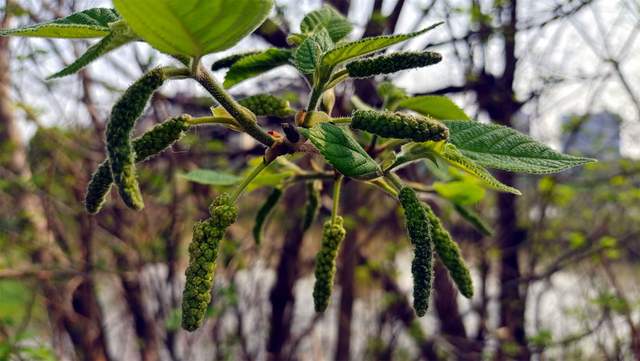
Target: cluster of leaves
[426, 129]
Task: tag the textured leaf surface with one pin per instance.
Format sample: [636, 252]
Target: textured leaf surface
[337, 25]
[342, 151]
[211, 177]
[307, 54]
[436, 106]
[92, 23]
[500, 147]
[104, 46]
[253, 65]
[366, 46]
[454, 157]
[193, 27]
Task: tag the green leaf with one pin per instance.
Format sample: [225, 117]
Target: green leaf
[307, 55]
[455, 158]
[435, 106]
[337, 25]
[92, 23]
[473, 218]
[342, 151]
[366, 46]
[211, 177]
[505, 148]
[253, 65]
[109, 43]
[193, 27]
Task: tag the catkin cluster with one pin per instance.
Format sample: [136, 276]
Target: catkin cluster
[449, 254]
[399, 125]
[419, 229]
[264, 105]
[124, 115]
[149, 144]
[387, 64]
[333, 234]
[203, 252]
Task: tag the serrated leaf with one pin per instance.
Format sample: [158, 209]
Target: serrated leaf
[439, 107]
[104, 46]
[193, 27]
[366, 46]
[505, 148]
[92, 23]
[211, 177]
[342, 151]
[455, 158]
[253, 65]
[307, 55]
[337, 25]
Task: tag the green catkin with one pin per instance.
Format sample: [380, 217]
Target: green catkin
[228, 61]
[312, 206]
[149, 144]
[264, 212]
[419, 229]
[387, 64]
[399, 125]
[203, 252]
[449, 254]
[263, 105]
[124, 115]
[325, 270]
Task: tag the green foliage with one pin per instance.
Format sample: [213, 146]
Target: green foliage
[333, 234]
[342, 151]
[250, 66]
[329, 18]
[307, 55]
[449, 254]
[203, 252]
[228, 61]
[211, 177]
[264, 212]
[394, 62]
[500, 147]
[398, 125]
[267, 105]
[124, 115]
[193, 27]
[92, 23]
[419, 228]
[474, 219]
[435, 106]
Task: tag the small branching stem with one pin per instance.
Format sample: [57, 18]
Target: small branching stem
[341, 120]
[248, 179]
[337, 187]
[212, 120]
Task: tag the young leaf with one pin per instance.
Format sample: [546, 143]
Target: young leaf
[109, 43]
[366, 46]
[439, 107]
[342, 151]
[253, 65]
[92, 23]
[306, 55]
[337, 25]
[228, 61]
[505, 148]
[211, 177]
[453, 156]
[193, 27]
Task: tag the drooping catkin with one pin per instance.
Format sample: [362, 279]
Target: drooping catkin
[263, 213]
[203, 252]
[399, 125]
[325, 269]
[263, 105]
[449, 254]
[149, 144]
[387, 64]
[419, 229]
[124, 115]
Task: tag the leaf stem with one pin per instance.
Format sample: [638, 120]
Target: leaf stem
[212, 120]
[246, 120]
[341, 120]
[337, 186]
[394, 181]
[337, 78]
[248, 179]
[173, 72]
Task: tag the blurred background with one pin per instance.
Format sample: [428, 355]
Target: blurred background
[556, 279]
